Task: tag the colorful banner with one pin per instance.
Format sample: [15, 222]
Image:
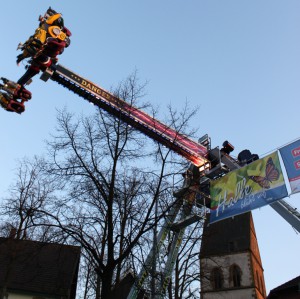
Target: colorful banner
[291, 158]
[255, 185]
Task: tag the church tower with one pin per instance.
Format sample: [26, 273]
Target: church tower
[230, 261]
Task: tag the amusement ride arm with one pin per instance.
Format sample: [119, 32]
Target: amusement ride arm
[179, 143]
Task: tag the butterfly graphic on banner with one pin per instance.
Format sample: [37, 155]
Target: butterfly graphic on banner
[272, 175]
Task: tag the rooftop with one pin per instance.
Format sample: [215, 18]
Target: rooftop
[45, 268]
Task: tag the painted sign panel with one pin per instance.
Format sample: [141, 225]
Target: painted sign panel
[291, 158]
[255, 185]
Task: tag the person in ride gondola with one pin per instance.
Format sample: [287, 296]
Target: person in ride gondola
[49, 40]
[13, 96]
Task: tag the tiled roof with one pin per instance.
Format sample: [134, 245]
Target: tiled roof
[45, 268]
[226, 236]
[293, 283]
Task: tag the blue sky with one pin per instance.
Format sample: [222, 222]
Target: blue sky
[237, 60]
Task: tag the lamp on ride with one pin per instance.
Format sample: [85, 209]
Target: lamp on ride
[227, 147]
[246, 157]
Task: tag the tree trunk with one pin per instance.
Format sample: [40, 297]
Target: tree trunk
[107, 278]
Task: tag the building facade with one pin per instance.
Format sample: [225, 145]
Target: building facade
[230, 262]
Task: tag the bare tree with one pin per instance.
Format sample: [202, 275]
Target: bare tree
[185, 282]
[27, 195]
[104, 186]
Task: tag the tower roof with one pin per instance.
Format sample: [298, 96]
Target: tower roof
[230, 235]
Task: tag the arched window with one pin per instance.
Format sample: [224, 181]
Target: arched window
[216, 278]
[262, 286]
[258, 280]
[236, 275]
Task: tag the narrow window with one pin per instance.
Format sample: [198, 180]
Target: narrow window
[236, 275]
[262, 286]
[217, 278]
[258, 281]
